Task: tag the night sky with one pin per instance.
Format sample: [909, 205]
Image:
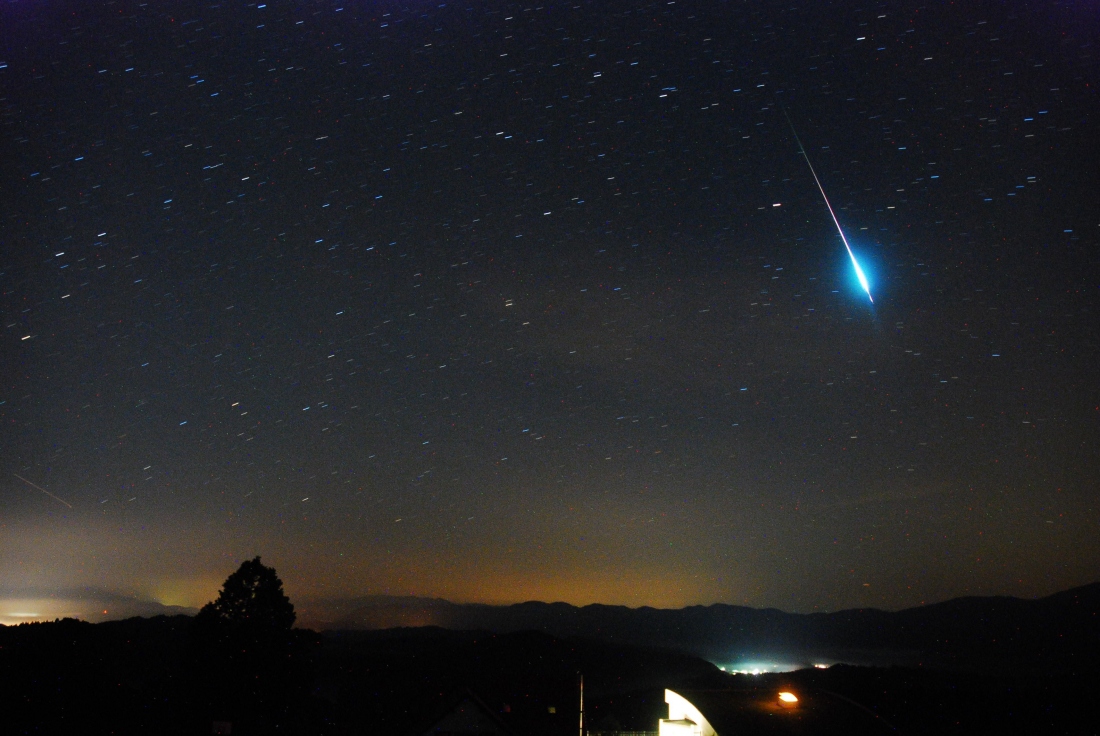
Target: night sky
[499, 302]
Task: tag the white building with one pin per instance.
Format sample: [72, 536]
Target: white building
[684, 719]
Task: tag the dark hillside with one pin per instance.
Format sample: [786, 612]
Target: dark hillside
[74, 677]
[389, 679]
[142, 676]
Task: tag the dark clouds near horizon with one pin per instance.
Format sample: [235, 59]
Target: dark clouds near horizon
[494, 302]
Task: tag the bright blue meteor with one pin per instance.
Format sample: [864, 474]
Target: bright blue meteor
[855, 264]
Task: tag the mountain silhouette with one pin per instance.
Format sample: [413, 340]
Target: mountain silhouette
[1058, 633]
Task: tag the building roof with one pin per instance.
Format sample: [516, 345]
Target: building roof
[467, 715]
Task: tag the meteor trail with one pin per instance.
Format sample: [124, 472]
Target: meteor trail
[32, 485]
[855, 264]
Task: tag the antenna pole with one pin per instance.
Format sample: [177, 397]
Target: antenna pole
[581, 731]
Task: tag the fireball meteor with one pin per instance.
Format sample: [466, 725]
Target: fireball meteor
[855, 264]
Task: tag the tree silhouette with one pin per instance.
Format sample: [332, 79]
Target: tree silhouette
[251, 601]
[250, 665]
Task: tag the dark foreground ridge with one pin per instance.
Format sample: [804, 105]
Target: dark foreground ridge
[141, 676]
[1056, 634]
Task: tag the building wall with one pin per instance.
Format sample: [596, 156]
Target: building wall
[682, 727]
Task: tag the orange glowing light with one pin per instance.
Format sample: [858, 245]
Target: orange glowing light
[787, 700]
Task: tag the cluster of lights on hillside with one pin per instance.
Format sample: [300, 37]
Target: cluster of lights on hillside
[763, 668]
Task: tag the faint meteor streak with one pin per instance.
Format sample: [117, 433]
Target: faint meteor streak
[32, 485]
[855, 264]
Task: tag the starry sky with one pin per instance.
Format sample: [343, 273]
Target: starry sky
[498, 302]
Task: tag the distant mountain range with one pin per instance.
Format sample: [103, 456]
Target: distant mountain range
[1059, 633]
[19, 605]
